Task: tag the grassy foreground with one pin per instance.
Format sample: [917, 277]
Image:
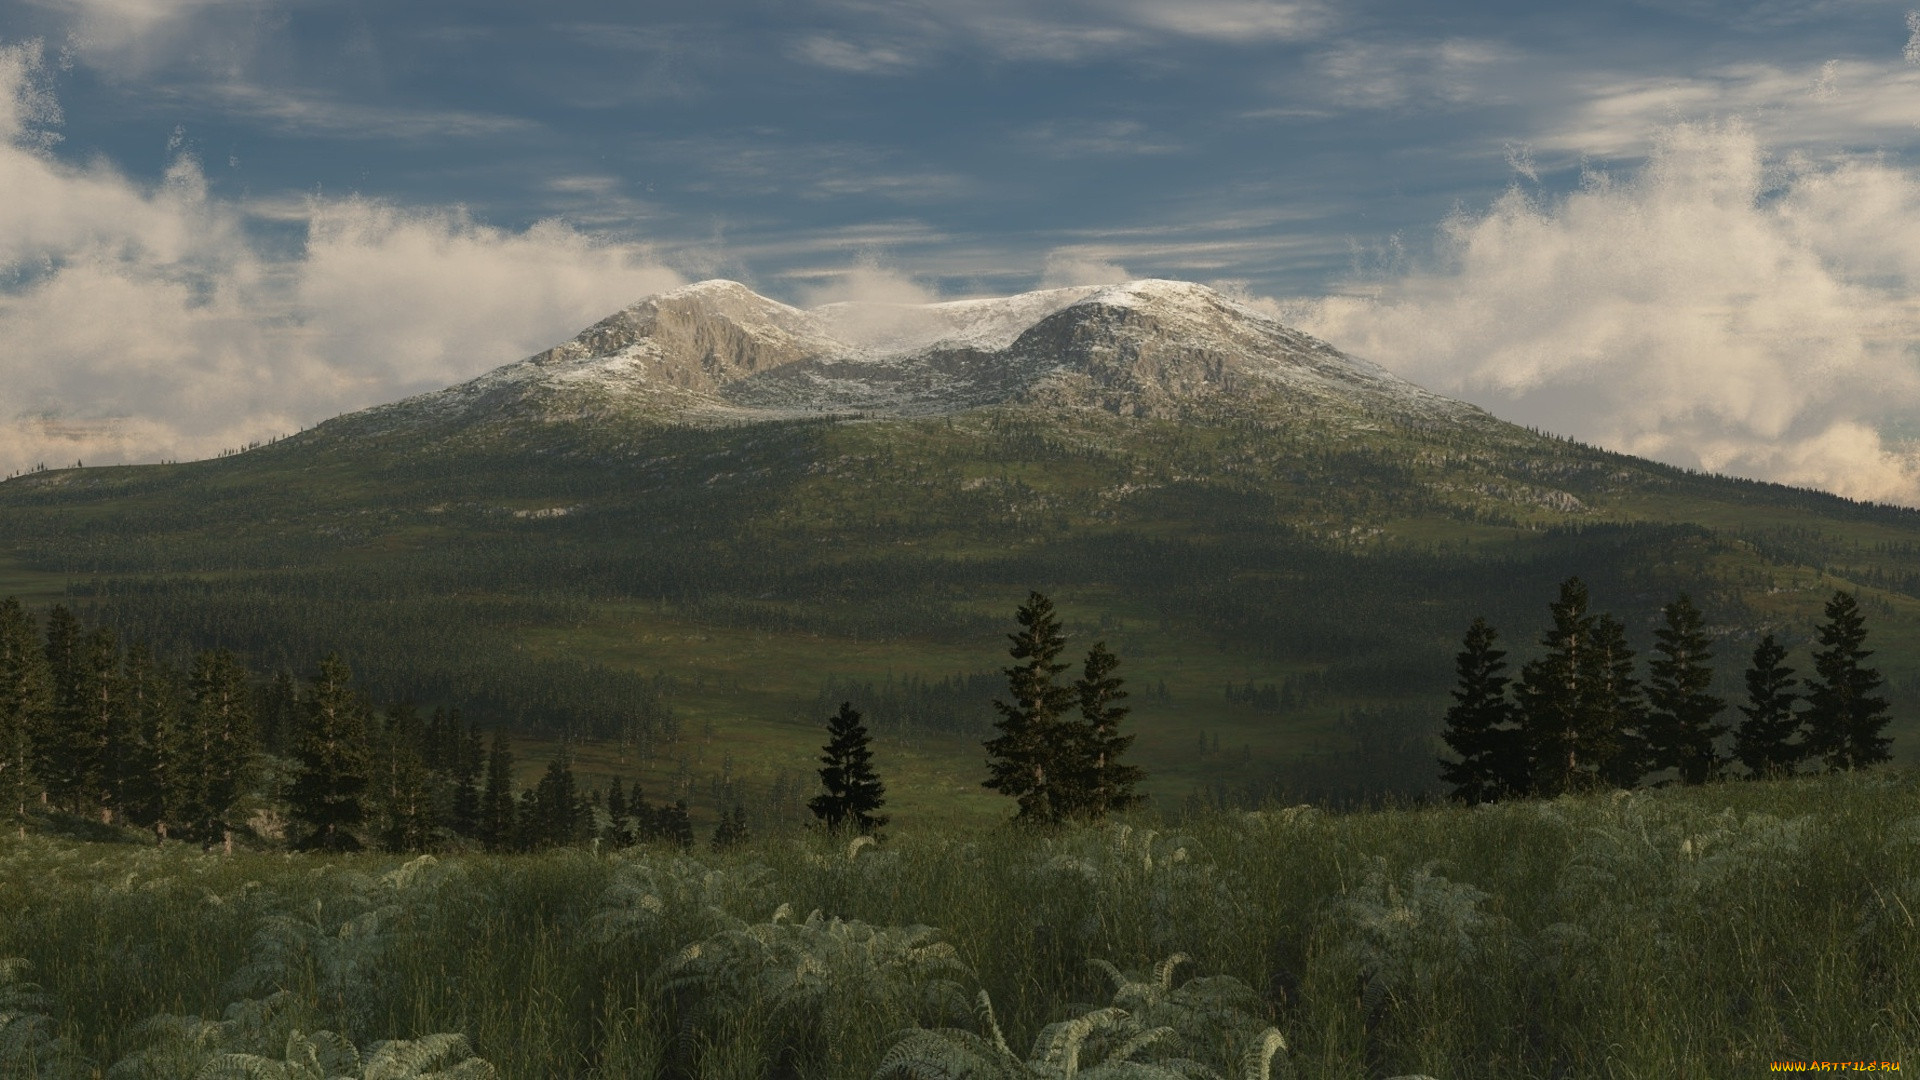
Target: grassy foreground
[1698, 933]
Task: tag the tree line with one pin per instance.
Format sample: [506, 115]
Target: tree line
[1578, 718]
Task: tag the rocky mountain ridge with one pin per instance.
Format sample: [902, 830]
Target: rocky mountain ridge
[716, 351]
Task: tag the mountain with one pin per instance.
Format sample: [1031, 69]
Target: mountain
[709, 518]
[717, 352]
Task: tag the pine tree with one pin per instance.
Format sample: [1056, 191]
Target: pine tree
[469, 762]
[496, 803]
[1024, 760]
[26, 697]
[732, 831]
[1765, 742]
[60, 744]
[403, 788]
[1680, 720]
[158, 727]
[98, 745]
[853, 789]
[1617, 711]
[222, 732]
[619, 830]
[277, 711]
[1483, 725]
[1099, 783]
[676, 825]
[1555, 698]
[559, 813]
[1843, 718]
[332, 762]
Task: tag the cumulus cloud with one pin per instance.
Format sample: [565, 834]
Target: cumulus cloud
[1070, 266]
[1717, 309]
[145, 320]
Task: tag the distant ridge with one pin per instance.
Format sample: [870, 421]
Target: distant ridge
[716, 351]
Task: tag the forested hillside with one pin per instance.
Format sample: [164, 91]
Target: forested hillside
[1283, 572]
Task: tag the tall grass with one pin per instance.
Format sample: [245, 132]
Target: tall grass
[1697, 932]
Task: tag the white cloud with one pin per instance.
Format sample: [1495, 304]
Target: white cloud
[1717, 309]
[1838, 103]
[1379, 75]
[1065, 31]
[838, 53]
[1912, 51]
[1067, 266]
[142, 322]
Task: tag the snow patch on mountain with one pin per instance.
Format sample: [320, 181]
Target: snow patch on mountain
[717, 351]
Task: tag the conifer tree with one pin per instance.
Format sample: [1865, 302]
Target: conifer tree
[1556, 700]
[676, 825]
[26, 697]
[496, 802]
[1844, 718]
[97, 746]
[469, 763]
[559, 813]
[222, 731]
[1681, 727]
[1024, 760]
[1482, 726]
[732, 830]
[403, 791]
[277, 711]
[1765, 742]
[1099, 782]
[619, 830]
[332, 762]
[158, 725]
[1617, 710]
[853, 790]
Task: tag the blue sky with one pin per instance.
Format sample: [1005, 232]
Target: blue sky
[1680, 229]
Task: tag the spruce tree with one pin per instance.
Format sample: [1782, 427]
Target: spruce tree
[676, 825]
[1681, 727]
[560, 815]
[403, 788]
[332, 762]
[222, 730]
[853, 790]
[732, 831]
[277, 711]
[1765, 742]
[98, 746]
[1099, 782]
[469, 764]
[1555, 698]
[1482, 726]
[1844, 718]
[1617, 710]
[496, 802]
[1024, 760]
[26, 697]
[59, 744]
[157, 721]
[619, 828]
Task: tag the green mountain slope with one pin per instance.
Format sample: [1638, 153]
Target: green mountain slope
[697, 523]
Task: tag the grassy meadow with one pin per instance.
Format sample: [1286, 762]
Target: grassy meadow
[1701, 932]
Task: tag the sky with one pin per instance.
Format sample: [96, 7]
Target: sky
[1686, 229]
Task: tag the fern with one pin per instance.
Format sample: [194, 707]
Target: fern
[179, 1046]
[28, 1048]
[1217, 1015]
[675, 898]
[325, 1055]
[1103, 1044]
[814, 984]
[1408, 933]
